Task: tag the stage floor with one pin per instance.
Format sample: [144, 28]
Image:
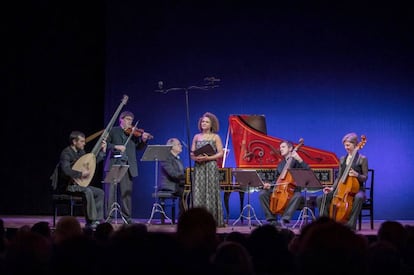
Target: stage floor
[15, 222]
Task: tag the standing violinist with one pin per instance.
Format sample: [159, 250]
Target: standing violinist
[122, 150]
[287, 152]
[359, 170]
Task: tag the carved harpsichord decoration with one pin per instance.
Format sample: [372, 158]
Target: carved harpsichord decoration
[253, 148]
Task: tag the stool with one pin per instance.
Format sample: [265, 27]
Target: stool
[166, 199]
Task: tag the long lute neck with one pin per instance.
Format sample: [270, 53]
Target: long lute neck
[108, 128]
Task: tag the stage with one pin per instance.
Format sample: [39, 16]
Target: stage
[14, 222]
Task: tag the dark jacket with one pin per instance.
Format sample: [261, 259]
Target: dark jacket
[172, 174]
[117, 136]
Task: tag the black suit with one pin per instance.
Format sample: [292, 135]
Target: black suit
[117, 136]
[93, 196]
[173, 178]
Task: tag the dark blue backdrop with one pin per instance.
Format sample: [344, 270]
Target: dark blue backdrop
[314, 72]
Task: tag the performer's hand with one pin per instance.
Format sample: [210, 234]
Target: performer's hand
[103, 146]
[296, 156]
[120, 148]
[201, 158]
[353, 173]
[145, 136]
[266, 185]
[326, 190]
[85, 173]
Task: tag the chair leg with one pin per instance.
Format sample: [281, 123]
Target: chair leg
[173, 210]
[360, 221]
[72, 202]
[162, 203]
[54, 214]
[372, 218]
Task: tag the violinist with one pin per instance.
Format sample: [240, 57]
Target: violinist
[123, 141]
[358, 169]
[286, 151]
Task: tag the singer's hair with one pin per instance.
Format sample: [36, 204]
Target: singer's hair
[214, 122]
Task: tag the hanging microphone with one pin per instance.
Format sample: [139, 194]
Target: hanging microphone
[161, 87]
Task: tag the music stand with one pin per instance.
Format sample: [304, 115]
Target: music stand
[304, 178]
[113, 177]
[157, 153]
[247, 179]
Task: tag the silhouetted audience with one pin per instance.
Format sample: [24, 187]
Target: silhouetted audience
[397, 235]
[268, 248]
[383, 258]
[103, 232]
[43, 229]
[67, 227]
[196, 234]
[232, 258]
[330, 248]
[238, 237]
[28, 253]
[322, 246]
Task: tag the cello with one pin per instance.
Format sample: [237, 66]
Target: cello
[347, 188]
[88, 161]
[284, 188]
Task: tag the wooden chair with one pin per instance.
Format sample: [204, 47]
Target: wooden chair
[68, 200]
[59, 198]
[368, 206]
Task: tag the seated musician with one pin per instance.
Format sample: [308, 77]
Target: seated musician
[286, 150]
[358, 169]
[68, 178]
[172, 173]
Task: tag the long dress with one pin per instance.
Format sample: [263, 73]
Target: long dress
[206, 186]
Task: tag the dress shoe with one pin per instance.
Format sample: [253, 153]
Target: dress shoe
[92, 225]
[274, 223]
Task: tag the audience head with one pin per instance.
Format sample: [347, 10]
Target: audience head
[393, 232]
[42, 228]
[269, 250]
[67, 227]
[232, 258]
[196, 229]
[333, 245]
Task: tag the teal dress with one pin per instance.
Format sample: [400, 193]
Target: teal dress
[206, 186]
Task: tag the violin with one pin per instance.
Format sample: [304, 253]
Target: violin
[136, 132]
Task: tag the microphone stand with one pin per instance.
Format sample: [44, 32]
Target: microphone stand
[210, 84]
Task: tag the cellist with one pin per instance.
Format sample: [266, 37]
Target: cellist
[358, 169]
[286, 151]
